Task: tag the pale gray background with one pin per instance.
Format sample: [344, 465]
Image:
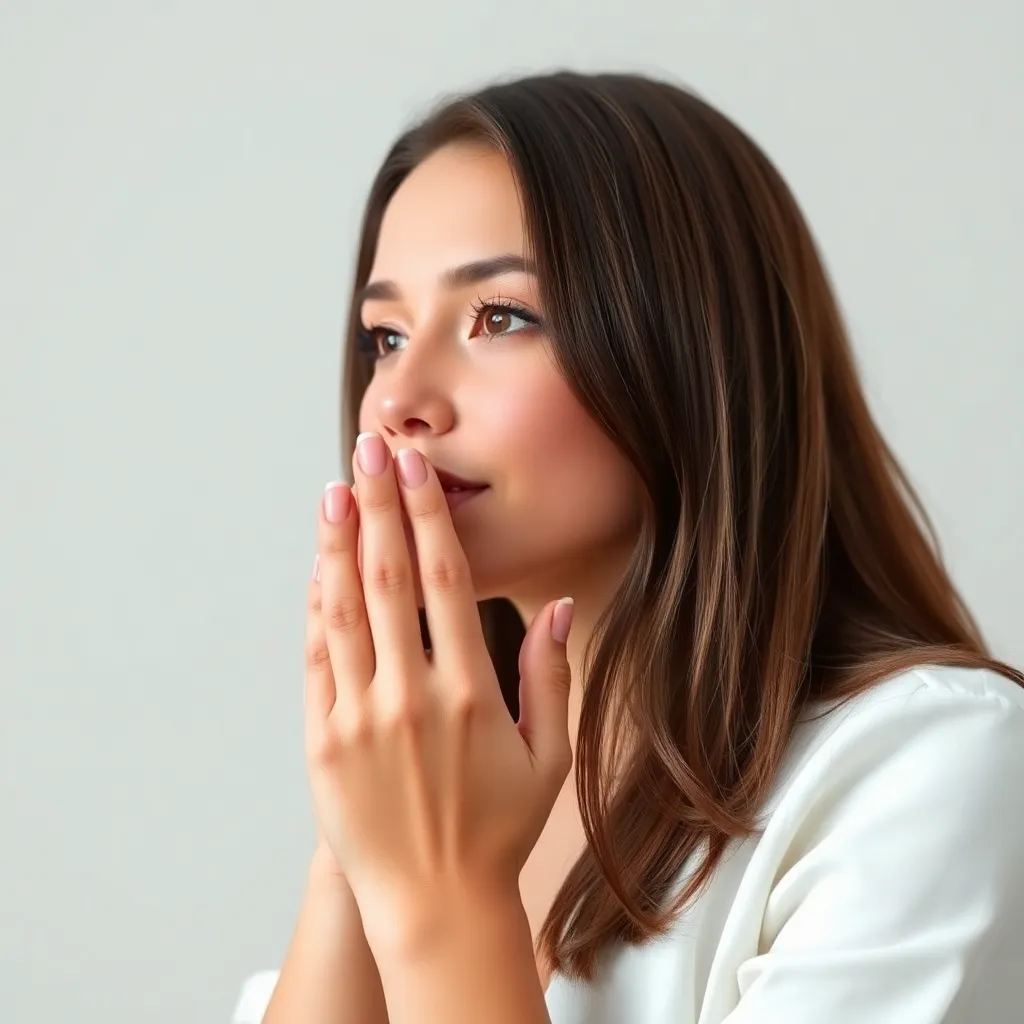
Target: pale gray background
[181, 185]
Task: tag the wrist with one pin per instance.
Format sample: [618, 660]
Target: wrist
[443, 920]
[323, 868]
[467, 958]
[327, 883]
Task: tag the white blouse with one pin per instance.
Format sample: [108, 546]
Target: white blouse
[886, 885]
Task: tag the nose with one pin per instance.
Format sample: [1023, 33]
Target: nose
[412, 401]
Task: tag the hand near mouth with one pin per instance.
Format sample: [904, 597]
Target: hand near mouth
[429, 796]
[451, 485]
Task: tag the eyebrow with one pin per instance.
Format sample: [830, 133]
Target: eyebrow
[456, 277]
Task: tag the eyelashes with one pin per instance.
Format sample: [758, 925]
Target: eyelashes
[504, 305]
[366, 343]
[371, 342]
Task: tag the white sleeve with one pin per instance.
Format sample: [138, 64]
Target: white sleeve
[902, 898]
[254, 998]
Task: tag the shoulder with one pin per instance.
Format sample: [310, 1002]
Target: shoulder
[922, 715]
[932, 686]
[911, 798]
[948, 735]
[892, 853]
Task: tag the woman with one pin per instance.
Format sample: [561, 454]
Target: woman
[771, 772]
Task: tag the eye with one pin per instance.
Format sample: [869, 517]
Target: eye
[498, 318]
[378, 342]
[490, 319]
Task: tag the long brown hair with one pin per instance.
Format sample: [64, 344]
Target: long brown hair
[783, 559]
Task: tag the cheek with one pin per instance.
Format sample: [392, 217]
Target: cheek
[560, 460]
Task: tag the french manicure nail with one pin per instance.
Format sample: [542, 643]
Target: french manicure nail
[372, 453]
[561, 620]
[337, 501]
[411, 467]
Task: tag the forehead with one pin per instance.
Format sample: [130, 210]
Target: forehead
[459, 204]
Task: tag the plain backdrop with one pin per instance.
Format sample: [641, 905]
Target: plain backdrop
[180, 186]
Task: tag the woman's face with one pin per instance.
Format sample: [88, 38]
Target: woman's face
[466, 376]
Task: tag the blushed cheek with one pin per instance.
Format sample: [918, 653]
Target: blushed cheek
[553, 446]
[555, 428]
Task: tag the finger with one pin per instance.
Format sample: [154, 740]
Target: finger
[410, 543]
[388, 587]
[343, 612]
[456, 634]
[318, 685]
[544, 683]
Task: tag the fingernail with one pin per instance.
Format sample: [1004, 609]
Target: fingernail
[411, 467]
[337, 501]
[561, 620]
[316, 568]
[372, 453]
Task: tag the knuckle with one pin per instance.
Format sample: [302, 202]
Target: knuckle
[388, 576]
[404, 713]
[379, 501]
[429, 512]
[345, 615]
[355, 726]
[465, 702]
[446, 575]
[317, 655]
[336, 543]
[561, 675]
[323, 746]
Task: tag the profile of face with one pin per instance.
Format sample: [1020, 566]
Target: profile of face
[464, 373]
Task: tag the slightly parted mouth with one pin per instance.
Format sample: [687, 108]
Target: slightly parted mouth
[451, 482]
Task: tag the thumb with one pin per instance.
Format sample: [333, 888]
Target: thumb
[544, 677]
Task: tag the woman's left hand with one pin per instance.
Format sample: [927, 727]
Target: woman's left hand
[426, 790]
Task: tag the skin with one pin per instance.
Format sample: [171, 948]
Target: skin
[448, 890]
[427, 736]
[561, 514]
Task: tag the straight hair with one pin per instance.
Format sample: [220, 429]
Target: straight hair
[784, 562]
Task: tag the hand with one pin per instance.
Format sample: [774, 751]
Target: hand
[424, 787]
[323, 865]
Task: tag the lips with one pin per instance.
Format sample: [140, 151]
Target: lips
[457, 498]
[452, 484]
[457, 489]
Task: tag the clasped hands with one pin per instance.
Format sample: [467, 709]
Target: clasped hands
[424, 788]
